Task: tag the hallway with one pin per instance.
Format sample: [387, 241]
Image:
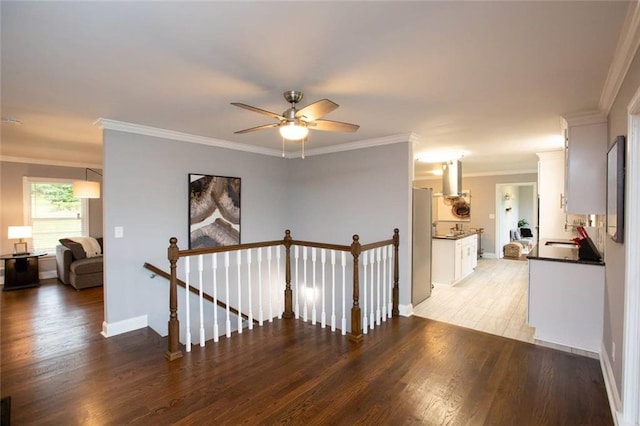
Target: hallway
[493, 299]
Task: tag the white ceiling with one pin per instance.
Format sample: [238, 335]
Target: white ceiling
[489, 78]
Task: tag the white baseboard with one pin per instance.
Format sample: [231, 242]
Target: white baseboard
[48, 274]
[489, 256]
[406, 310]
[124, 326]
[610, 384]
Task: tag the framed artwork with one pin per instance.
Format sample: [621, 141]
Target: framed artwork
[615, 189]
[454, 209]
[214, 211]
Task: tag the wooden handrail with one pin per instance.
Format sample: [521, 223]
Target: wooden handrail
[222, 249]
[356, 333]
[336, 247]
[194, 290]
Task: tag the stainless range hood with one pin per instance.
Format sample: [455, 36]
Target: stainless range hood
[451, 178]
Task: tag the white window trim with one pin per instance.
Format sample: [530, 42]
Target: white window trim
[26, 200]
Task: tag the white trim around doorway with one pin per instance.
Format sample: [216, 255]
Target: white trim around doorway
[630, 414]
[498, 203]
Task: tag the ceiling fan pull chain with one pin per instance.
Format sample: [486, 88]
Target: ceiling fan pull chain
[283, 147]
[303, 141]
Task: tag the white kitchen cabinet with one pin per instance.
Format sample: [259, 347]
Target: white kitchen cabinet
[585, 163]
[551, 195]
[453, 259]
[566, 303]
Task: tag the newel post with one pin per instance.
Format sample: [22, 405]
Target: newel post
[173, 351]
[288, 294]
[356, 313]
[396, 272]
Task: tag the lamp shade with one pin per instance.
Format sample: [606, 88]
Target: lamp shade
[293, 131]
[19, 232]
[86, 189]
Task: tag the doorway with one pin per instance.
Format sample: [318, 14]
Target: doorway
[515, 203]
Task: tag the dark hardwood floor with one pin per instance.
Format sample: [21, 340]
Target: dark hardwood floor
[59, 370]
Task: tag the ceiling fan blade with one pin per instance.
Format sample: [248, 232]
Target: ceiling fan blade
[316, 110]
[333, 126]
[253, 129]
[258, 110]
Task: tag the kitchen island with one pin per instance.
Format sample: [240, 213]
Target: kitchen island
[454, 257]
[566, 297]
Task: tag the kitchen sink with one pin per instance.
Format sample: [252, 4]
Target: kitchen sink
[566, 244]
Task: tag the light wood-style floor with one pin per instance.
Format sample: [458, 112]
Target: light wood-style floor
[492, 299]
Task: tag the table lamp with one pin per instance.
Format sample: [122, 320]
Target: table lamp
[20, 232]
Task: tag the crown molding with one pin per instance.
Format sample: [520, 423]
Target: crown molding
[122, 126]
[585, 118]
[481, 174]
[367, 143]
[48, 162]
[139, 129]
[626, 49]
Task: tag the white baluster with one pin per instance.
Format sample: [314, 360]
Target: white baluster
[200, 297]
[365, 262]
[384, 285]
[226, 286]
[296, 257]
[260, 313]
[344, 296]
[214, 269]
[333, 290]
[390, 284]
[187, 267]
[304, 259]
[313, 295]
[372, 316]
[239, 281]
[270, 283]
[280, 285]
[378, 259]
[250, 321]
[323, 315]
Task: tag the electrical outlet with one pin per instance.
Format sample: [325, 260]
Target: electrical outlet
[613, 351]
[118, 232]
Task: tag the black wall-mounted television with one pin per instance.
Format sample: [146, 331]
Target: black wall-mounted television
[615, 189]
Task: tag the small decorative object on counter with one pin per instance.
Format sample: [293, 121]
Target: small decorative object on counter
[587, 249]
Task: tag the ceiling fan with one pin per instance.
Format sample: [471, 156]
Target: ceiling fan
[294, 124]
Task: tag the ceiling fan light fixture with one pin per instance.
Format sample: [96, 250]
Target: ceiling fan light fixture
[293, 131]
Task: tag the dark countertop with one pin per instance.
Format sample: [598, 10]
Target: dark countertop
[567, 254]
[454, 237]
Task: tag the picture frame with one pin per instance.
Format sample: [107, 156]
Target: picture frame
[615, 189]
[213, 210]
[20, 248]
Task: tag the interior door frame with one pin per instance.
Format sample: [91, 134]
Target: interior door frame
[631, 361]
[498, 207]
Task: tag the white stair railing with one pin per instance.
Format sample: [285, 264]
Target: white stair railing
[378, 267]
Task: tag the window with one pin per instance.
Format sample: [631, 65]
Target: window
[53, 212]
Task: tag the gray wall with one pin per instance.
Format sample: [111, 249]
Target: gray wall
[365, 192]
[145, 191]
[483, 199]
[12, 212]
[614, 252]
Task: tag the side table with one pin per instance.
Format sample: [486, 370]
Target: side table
[21, 270]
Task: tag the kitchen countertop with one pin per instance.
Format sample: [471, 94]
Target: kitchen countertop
[454, 237]
[568, 254]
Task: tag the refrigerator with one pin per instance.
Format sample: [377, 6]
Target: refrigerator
[421, 244]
